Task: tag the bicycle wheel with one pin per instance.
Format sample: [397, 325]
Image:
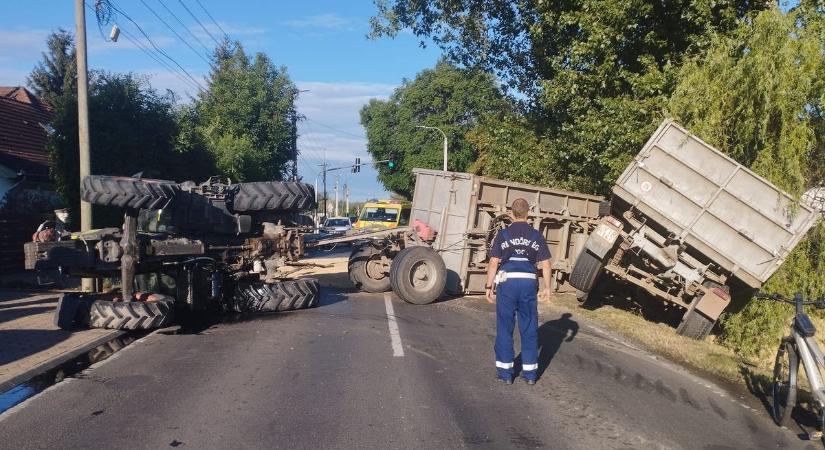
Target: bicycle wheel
[785, 371]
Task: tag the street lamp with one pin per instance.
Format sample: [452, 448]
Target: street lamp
[445, 141]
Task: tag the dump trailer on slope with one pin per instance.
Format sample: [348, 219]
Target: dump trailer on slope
[685, 221]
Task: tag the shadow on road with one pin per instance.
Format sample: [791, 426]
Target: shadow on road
[551, 336]
[761, 387]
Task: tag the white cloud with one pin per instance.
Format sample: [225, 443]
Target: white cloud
[22, 43]
[332, 130]
[329, 21]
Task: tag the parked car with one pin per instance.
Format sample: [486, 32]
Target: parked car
[336, 225]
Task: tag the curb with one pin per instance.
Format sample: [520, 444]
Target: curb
[57, 361]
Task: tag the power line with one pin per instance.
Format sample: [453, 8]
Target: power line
[131, 38]
[199, 22]
[174, 32]
[208, 51]
[336, 129]
[152, 43]
[225, 34]
[165, 65]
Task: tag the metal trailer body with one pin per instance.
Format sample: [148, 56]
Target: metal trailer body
[721, 209]
[685, 218]
[467, 211]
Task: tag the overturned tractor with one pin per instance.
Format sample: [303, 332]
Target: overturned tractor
[183, 246]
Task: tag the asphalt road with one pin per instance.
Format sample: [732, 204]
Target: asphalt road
[337, 377]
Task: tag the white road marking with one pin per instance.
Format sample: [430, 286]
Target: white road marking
[395, 336]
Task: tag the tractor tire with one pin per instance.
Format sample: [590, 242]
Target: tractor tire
[194, 212]
[418, 275]
[71, 311]
[135, 315]
[586, 271]
[275, 297]
[270, 196]
[695, 325]
[363, 272]
[125, 192]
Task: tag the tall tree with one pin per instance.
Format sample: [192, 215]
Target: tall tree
[132, 129]
[595, 73]
[244, 117]
[56, 74]
[452, 99]
[759, 95]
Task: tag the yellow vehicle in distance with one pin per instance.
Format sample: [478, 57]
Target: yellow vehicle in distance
[384, 214]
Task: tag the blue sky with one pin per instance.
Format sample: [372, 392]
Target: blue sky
[322, 43]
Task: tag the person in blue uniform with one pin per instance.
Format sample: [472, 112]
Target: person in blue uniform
[513, 286]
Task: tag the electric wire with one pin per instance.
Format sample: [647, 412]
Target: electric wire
[225, 34]
[152, 43]
[188, 30]
[134, 40]
[336, 129]
[174, 32]
[199, 22]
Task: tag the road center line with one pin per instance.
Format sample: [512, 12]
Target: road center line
[395, 336]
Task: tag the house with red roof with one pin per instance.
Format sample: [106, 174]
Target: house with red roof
[27, 194]
[24, 159]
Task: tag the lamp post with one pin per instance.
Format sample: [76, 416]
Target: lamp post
[445, 141]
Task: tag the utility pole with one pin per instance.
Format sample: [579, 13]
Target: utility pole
[336, 195]
[346, 199]
[325, 189]
[83, 120]
[294, 142]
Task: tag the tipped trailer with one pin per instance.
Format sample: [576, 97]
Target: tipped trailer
[455, 217]
[685, 221]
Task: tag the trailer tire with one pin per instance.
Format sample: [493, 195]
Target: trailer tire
[134, 315]
[270, 196]
[604, 208]
[586, 271]
[695, 325]
[363, 271]
[418, 275]
[126, 192]
[282, 296]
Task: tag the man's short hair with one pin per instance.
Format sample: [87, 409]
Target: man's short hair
[520, 208]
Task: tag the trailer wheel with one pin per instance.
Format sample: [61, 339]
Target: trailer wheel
[418, 275]
[604, 208]
[366, 271]
[135, 315]
[126, 192]
[586, 271]
[275, 297]
[270, 196]
[695, 325]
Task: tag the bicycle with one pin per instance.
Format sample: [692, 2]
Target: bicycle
[798, 345]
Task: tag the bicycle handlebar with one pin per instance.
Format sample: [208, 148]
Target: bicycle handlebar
[797, 300]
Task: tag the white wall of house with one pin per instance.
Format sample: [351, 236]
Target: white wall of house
[7, 179]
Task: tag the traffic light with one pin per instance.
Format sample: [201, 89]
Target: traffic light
[392, 163]
[357, 166]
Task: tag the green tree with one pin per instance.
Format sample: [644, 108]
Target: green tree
[244, 117]
[56, 74]
[759, 94]
[452, 99]
[595, 73]
[132, 129]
